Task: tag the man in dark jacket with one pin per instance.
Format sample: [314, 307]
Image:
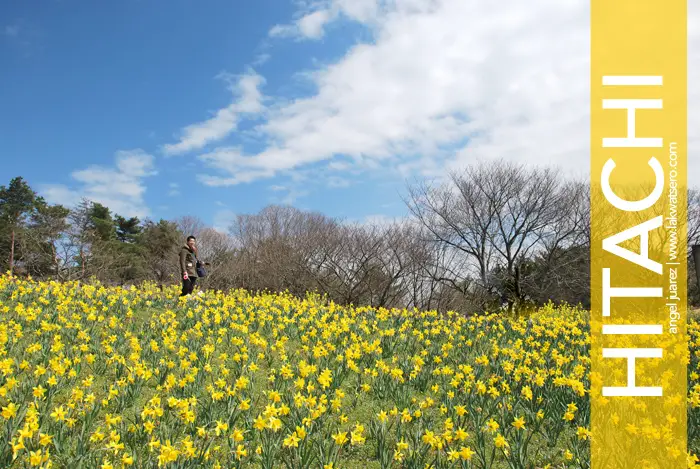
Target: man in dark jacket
[188, 266]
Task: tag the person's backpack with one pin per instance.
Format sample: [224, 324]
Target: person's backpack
[201, 272]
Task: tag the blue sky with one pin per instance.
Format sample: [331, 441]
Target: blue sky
[169, 108]
[82, 81]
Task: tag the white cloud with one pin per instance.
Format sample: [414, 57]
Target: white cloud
[280, 30]
[247, 88]
[174, 189]
[247, 100]
[59, 194]
[289, 194]
[11, 30]
[293, 195]
[364, 11]
[378, 220]
[314, 17]
[311, 25]
[121, 188]
[223, 220]
[261, 59]
[25, 37]
[337, 182]
[339, 166]
[442, 83]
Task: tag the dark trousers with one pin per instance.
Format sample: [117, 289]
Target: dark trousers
[188, 285]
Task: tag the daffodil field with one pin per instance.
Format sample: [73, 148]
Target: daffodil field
[96, 377]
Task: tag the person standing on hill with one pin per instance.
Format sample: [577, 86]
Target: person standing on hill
[188, 266]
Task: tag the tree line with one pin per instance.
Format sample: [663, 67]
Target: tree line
[496, 235]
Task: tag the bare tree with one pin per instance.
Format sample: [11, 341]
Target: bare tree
[395, 262]
[560, 270]
[190, 225]
[217, 250]
[278, 247]
[492, 219]
[531, 219]
[350, 260]
[463, 229]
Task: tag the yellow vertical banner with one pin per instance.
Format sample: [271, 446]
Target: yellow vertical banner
[639, 349]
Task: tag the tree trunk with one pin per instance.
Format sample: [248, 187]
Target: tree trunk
[82, 264]
[12, 251]
[55, 261]
[518, 290]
